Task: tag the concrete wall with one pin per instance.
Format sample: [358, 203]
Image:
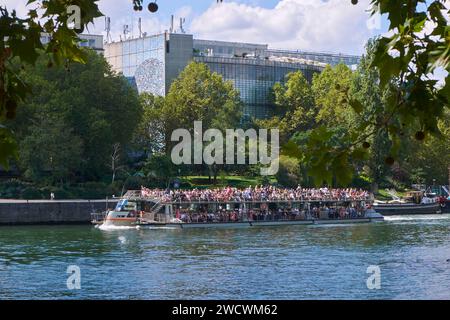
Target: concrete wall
[18, 212]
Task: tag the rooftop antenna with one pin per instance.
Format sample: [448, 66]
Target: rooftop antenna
[182, 21]
[140, 27]
[171, 24]
[132, 28]
[126, 30]
[108, 28]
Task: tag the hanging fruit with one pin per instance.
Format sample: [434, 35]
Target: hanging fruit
[420, 135]
[389, 161]
[152, 7]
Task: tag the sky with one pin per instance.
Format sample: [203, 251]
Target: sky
[314, 25]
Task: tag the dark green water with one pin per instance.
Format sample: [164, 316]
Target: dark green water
[296, 262]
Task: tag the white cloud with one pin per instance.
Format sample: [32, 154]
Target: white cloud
[334, 25]
[321, 25]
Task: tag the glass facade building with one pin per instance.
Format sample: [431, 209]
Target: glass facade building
[153, 62]
[146, 53]
[92, 41]
[254, 78]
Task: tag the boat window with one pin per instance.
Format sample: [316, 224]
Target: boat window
[125, 205]
[130, 205]
[147, 206]
[120, 205]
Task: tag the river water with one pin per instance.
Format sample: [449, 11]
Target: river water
[292, 262]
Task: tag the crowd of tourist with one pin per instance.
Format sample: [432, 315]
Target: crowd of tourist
[267, 214]
[258, 193]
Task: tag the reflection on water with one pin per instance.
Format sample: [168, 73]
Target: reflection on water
[292, 262]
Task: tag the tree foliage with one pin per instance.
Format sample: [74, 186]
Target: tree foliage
[150, 135]
[20, 45]
[330, 89]
[294, 106]
[200, 95]
[82, 113]
[288, 174]
[51, 151]
[348, 136]
[413, 102]
[196, 95]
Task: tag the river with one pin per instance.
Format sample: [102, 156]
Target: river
[291, 262]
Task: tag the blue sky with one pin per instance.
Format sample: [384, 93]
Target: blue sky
[315, 25]
[167, 7]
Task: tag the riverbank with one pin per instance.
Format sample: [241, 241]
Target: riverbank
[31, 212]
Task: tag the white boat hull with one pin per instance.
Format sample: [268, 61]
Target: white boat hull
[249, 224]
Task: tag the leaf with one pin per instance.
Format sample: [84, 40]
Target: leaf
[445, 91]
[8, 146]
[291, 149]
[359, 154]
[342, 169]
[356, 105]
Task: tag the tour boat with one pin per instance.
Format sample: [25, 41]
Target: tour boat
[391, 209]
[136, 210]
[445, 204]
[416, 202]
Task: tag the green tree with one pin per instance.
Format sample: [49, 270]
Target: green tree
[330, 89]
[417, 47]
[160, 169]
[91, 102]
[334, 120]
[51, 150]
[196, 95]
[20, 41]
[366, 90]
[200, 95]
[418, 44]
[288, 174]
[150, 136]
[294, 106]
[431, 157]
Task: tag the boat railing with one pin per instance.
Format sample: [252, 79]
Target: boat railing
[133, 194]
[98, 217]
[137, 194]
[158, 205]
[329, 200]
[307, 216]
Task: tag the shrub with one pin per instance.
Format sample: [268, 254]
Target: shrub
[289, 172]
[31, 193]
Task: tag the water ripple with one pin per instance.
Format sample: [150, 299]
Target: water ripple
[292, 262]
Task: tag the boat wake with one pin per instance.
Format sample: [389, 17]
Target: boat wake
[110, 227]
[416, 217]
[104, 227]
